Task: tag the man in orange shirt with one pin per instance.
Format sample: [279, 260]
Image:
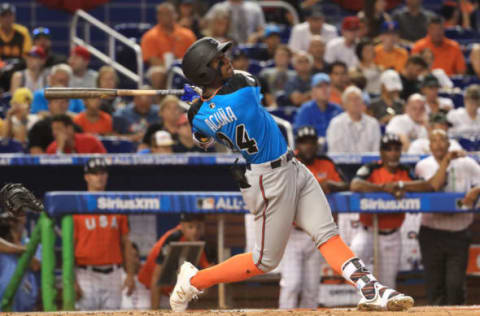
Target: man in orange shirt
[301, 258]
[93, 120]
[388, 54]
[191, 228]
[447, 53]
[163, 43]
[102, 247]
[387, 175]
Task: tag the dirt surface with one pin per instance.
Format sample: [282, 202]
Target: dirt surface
[427, 311]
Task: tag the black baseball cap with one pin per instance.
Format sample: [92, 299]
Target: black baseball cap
[430, 81]
[190, 217]
[7, 8]
[440, 118]
[95, 165]
[388, 140]
[306, 132]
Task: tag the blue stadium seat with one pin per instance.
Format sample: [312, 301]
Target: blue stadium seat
[461, 35]
[456, 97]
[462, 81]
[470, 144]
[4, 104]
[286, 112]
[117, 145]
[8, 145]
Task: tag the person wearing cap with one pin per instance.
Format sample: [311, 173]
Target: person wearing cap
[35, 76]
[67, 141]
[163, 43]
[42, 38]
[353, 131]
[412, 124]
[93, 120]
[315, 24]
[264, 46]
[437, 121]
[132, 120]
[388, 104]
[386, 175]
[466, 120]
[18, 120]
[297, 89]
[388, 54]
[190, 228]
[301, 258]
[416, 65]
[277, 77]
[447, 53]
[435, 104]
[15, 40]
[318, 112]
[83, 77]
[412, 20]
[101, 246]
[161, 143]
[343, 48]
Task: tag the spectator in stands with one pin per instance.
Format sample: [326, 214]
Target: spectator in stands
[386, 175]
[435, 104]
[93, 120]
[277, 77]
[18, 120]
[421, 146]
[190, 228]
[102, 246]
[388, 104]
[388, 54]
[34, 77]
[297, 89]
[161, 142]
[317, 50]
[300, 262]
[366, 55]
[343, 48]
[42, 38]
[187, 17]
[246, 19]
[474, 66]
[339, 79]
[446, 52]
[411, 125]
[163, 43]
[267, 44]
[15, 39]
[67, 141]
[445, 238]
[218, 26]
[134, 119]
[108, 79]
[353, 131]
[319, 111]
[12, 245]
[83, 77]
[414, 67]
[412, 20]
[315, 24]
[375, 14]
[456, 14]
[184, 141]
[466, 120]
[140, 297]
[60, 76]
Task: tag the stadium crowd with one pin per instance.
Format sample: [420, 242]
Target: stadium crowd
[391, 78]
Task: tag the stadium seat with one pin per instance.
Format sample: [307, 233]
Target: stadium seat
[117, 145]
[470, 144]
[8, 145]
[4, 104]
[462, 82]
[456, 97]
[461, 35]
[286, 112]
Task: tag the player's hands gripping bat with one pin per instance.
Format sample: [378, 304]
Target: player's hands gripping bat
[15, 200]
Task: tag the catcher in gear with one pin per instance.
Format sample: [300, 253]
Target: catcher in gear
[15, 200]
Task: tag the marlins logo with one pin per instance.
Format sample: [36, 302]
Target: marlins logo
[212, 105]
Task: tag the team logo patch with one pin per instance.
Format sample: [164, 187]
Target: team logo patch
[212, 105]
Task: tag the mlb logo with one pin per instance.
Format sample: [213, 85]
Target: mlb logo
[206, 203]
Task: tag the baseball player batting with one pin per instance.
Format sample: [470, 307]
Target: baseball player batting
[276, 188]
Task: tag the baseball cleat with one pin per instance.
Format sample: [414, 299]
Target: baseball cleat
[376, 297]
[184, 292]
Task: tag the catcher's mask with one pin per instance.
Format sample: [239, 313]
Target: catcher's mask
[195, 64]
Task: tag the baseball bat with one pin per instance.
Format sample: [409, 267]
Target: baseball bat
[85, 93]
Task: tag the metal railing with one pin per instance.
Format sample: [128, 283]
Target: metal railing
[280, 4]
[112, 36]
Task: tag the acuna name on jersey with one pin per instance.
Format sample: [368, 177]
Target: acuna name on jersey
[220, 118]
[123, 204]
[379, 204]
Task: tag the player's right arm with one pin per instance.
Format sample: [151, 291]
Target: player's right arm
[155, 288]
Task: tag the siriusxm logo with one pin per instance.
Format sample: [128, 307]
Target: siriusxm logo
[124, 204]
[379, 204]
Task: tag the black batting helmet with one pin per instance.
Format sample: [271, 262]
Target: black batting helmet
[198, 56]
